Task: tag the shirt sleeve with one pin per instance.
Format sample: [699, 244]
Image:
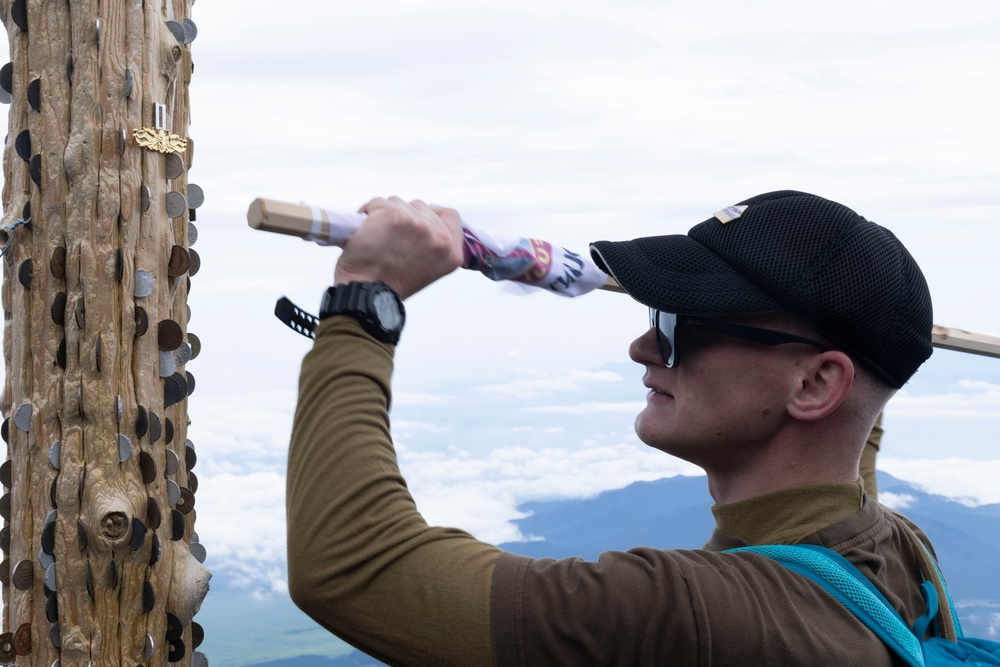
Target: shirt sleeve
[656, 607]
[362, 561]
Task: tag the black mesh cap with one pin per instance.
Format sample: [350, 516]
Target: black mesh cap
[850, 279]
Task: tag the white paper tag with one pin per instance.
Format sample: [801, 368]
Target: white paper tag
[730, 213]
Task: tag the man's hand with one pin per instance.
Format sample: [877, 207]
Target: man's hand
[407, 246]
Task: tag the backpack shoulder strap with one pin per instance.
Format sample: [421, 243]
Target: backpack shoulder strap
[841, 579]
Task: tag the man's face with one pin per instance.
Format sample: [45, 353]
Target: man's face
[723, 399]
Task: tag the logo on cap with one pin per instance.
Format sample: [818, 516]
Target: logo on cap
[730, 213]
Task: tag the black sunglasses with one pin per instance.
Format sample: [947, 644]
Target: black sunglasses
[666, 333]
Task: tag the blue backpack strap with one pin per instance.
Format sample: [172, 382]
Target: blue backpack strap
[838, 577]
[947, 594]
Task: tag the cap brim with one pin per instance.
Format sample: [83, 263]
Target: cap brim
[679, 275]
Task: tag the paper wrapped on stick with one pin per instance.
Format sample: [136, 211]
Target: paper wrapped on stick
[526, 261]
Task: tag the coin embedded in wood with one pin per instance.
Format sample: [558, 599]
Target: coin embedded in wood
[35, 94]
[192, 235]
[175, 629]
[5, 506]
[5, 539]
[49, 538]
[50, 577]
[58, 309]
[55, 454]
[22, 639]
[176, 525]
[175, 203]
[148, 597]
[169, 335]
[22, 417]
[153, 516]
[80, 313]
[168, 364]
[6, 78]
[143, 283]
[141, 321]
[81, 536]
[168, 431]
[179, 261]
[23, 577]
[182, 355]
[186, 502]
[97, 354]
[177, 30]
[195, 195]
[52, 490]
[148, 648]
[195, 262]
[55, 635]
[193, 482]
[36, 169]
[129, 82]
[24, 273]
[195, 343]
[147, 466]
[190, 32]
[172, 462]
[5, 433]
[141, 421]
[88, 579]
[173, 492]
[5, 476]
[23, 145]
[138, 534]
[57, 263]
[176, 651]
[173, 165]
[52, 609]
[190, 382]
[155, 549]
[7, 652]
[124, 448]
[190, 457]
[197, 634]
[198, 551]
[19, 14]
[119, 265]
[144, 198]
[155, 427]
[61, 354]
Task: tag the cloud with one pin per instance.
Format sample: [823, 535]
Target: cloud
[971, 481]
[897, 501]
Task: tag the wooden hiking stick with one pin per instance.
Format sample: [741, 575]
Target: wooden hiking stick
[306, 222]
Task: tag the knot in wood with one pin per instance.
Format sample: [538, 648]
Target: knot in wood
[175, 52]
[115, 525]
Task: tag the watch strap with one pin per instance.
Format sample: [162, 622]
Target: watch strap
[296, 318]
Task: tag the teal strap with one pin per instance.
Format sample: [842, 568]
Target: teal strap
[947, 593]
[838, 577]
[931, 597]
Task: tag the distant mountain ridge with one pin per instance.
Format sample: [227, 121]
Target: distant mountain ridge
[674, 513]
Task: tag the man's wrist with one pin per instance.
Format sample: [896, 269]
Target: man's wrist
[375, 305]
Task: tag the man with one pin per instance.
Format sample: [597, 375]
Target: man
[779, 329]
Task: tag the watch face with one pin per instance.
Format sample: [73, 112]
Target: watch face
[387, 310]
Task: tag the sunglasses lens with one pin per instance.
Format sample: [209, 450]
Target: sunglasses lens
[665, 325]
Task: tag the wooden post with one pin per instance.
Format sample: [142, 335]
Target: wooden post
[99, 566]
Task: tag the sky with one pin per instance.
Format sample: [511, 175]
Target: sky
[571, 122]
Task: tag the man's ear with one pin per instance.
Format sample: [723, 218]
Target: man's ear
[822, 385]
